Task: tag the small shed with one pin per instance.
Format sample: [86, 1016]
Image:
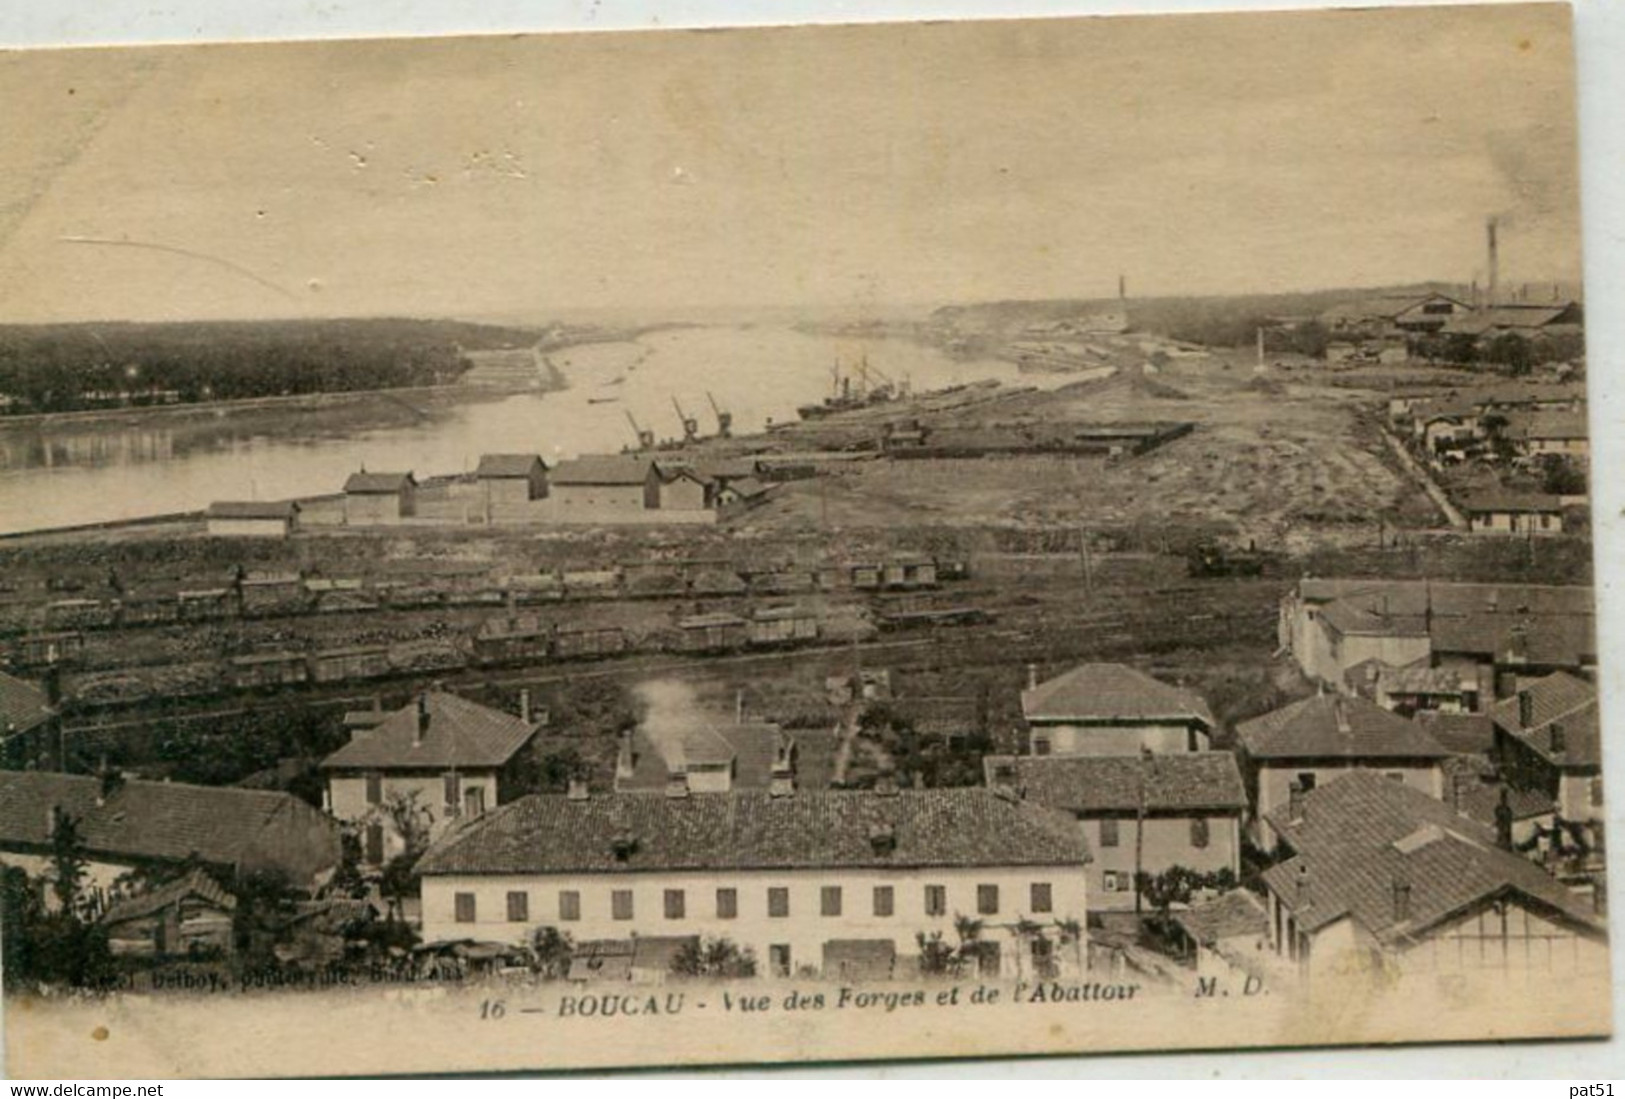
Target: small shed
[509, 480]
[189, 916]
[1504, 512]
[272, 669]
[251, 519]
[372, 499]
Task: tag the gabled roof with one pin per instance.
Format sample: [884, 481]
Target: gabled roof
[1463, 734]
[508, 465]
[460, 733]
[141, 820]
[1236, 914]
[1177, 782]
[603, 469]
[1335, 727]
[1548, 425]
[751, 748]
[196, 884]
[1505, 317]
[378, 483]
[621, 833]
[1558, 700]
[1499, 501]
[1106, 692]
[1361, 832]
[22, 705]
[252, 509]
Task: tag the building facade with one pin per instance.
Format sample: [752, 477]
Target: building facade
[1112, 710]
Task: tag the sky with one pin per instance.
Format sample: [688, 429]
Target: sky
[844, 167]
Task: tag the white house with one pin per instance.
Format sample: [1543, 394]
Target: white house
[457, 758]
[1112, 710]
[1291, 751]
[805, 880]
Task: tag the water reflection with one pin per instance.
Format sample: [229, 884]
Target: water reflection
[158, 463]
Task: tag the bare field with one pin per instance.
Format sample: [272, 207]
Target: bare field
[1288, 463]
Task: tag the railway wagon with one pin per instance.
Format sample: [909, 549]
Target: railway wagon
[206, 605]
[591, 583]
[909, 572]
[274, 595]
[944, 616]
[42, 649]
[274, 669]
[351, 662]
[782, 626]
[543, 588]
[589, 641]
[505, 640]
[135, 611]
[717, 632]
[80, 614]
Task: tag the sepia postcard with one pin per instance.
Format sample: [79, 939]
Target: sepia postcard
[797, 544]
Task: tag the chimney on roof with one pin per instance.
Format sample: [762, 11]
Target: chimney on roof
[421, 728]
[782, 781]
[677, 784]
[1402, 899]
[1032, 676]
[577, 789]
[1340, 707]
[1459, 784]
[739, 707]
[883, 839]
[1560, 740]
[626, 759]
[53, 686]
[1518, 645]
[1305, 895]
[1294, 802]
[1503, 821]
[1526, 708]
[524, 705]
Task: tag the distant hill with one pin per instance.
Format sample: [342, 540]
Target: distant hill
[69, 367]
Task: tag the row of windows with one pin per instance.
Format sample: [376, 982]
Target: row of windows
[1110, 835]
[831, 900]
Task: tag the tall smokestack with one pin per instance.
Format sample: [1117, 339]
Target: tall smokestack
[1494, 274]
[1122, 288]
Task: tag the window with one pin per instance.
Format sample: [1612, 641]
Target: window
[518, 907]
[778, 902]
[727, 904]
[1042, 899]
[1306, 781]
[987, 900]
[778, 959]
[465, 908]
[569, 905]
[675, 903]
[1397, 776]
[375, 788]
[884, 901]
[454, 784]
[1109, 881]
[1041, 746]
[620, 904]
[1199, 832]
[474, 801]
[829, 900]
[1108, 832]
[936, 900]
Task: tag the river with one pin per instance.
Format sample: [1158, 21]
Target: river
[74, 472]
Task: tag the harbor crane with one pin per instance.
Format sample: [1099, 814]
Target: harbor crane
[725, 420]
[691, 426]
[646, 439]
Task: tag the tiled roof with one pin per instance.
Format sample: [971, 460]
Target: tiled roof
[1549, 425]
[252, 509]
[552, 834]
[602, 469]
[1334, 727]
[1236, 914]
[390, 483]
[507, 465]
[1567, 640]
[1499, 500]
[1505, 316]
[1362, 832]
[461, 733]
[1415, 597]
[1514, 394]
[22, 705]
[1176, 782]
[751, 748]
[727, 469]
[196, 884]
[1558, 700]
[1472, 787]
[155, 820]
[1103, 692]
[1459, 733]
[1418, 678]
